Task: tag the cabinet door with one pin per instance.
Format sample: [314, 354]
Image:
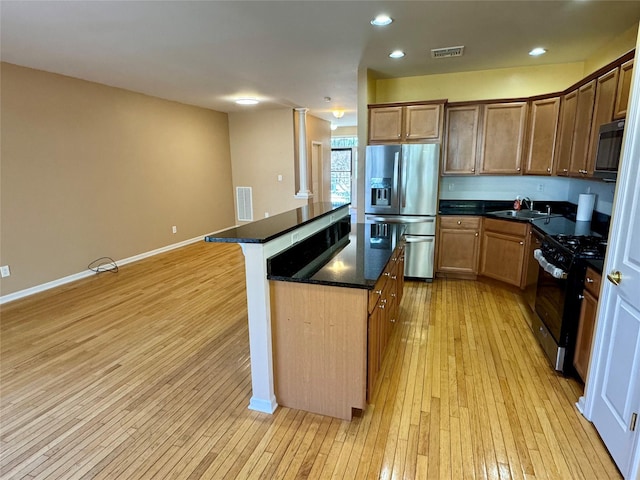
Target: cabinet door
[502, 257]
[582, 129]
[422, 122]
[385, 124]
[569, 109]
[624, 87]
[502, 138]
[373, 349]
[584, 339]
[461, 137]
[602, 112]
[542, 132]
[458, 251]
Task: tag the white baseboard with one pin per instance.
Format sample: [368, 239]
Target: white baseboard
[79, 276]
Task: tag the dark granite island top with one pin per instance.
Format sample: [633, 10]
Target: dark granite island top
[350, 255]
[267, 229]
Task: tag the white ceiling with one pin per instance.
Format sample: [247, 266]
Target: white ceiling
[293, 53]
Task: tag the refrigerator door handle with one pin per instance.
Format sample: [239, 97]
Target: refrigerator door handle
[403, 180]
[418, 239]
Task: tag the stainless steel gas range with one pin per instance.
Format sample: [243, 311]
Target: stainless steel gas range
[563, 264]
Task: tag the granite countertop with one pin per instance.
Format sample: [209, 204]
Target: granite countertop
[355, 259]
[564, 224]
[262, 231]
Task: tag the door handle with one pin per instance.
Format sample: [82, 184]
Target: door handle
[615, 277]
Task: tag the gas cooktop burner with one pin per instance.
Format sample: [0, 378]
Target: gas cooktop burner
[588, 246]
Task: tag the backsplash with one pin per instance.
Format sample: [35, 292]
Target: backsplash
[537, 188]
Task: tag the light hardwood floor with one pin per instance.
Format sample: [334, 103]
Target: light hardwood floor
[145, 374]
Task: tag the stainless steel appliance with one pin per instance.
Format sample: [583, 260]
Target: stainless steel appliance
[609, 148]
[402, 187]
[559, 293]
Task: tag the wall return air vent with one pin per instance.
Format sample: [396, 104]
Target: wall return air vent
[244, 204]
[447, 52]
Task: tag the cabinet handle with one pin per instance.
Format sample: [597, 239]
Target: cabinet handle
[378, 292]
[521, 243]
[580, 297]
[588, 280]
[459, 222]
[476, 234]
[393, 320]
[393, 295]
[518, 169]
[393, 277]
[386, 274]
[549, 170]
[473, 170]
[565, 170]
[381, 306]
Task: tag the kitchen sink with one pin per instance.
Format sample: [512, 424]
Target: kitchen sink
[524, 214]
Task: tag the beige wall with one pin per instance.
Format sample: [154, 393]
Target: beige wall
[625, 42]
[262, 147]
[319, 132]
[481, 84]
[91, 171]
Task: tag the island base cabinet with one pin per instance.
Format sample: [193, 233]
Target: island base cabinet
[319, 337]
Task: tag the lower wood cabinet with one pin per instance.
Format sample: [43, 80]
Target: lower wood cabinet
[587, 322]
[504, 248]
[458, 246]
[329, 341]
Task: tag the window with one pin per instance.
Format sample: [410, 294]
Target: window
[342, 152]
[341, 174]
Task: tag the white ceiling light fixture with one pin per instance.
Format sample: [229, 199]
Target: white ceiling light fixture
[537, 52]
[381, 20]
[247, 101]
[397, 54]
[338, 113]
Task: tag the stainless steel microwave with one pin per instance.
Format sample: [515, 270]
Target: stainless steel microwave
[608, 153]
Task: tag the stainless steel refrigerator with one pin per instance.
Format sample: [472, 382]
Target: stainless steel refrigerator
[402, 187]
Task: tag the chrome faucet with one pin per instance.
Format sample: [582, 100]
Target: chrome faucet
[529, 201]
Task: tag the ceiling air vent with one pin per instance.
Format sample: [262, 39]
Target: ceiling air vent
[447, 52]
[244, 204]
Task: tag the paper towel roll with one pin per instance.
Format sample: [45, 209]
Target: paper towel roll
[585, 207]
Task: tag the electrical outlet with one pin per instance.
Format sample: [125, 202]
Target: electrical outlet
[279, 178]
[4, 271]
[295, 236]
[541, 187]
[174, 229]
[451, 187]
[266, 214]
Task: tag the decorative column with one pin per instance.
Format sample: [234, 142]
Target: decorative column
[304, 191]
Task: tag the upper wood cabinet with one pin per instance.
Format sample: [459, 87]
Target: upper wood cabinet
[582, 129]
[542, 130]
[461, 140]
[385, 124]
[405, 123]
[624, 87]
[502, 138]
[606, 86]
[568, 111]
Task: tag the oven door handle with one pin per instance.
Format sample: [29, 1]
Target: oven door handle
[550, 268]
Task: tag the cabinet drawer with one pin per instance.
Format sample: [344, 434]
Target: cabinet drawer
[505, 226]
[592, 281]
[463, 222]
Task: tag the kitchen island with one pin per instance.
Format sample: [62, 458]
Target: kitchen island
[260, 240]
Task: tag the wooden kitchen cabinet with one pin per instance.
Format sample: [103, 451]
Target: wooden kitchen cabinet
[542, 132]
[458, 246]
[603, 106]
[622, 92]
[568, 110]
[405, 123]
[502, 138]
[504, 247]
[582, 129]
[586, 325]
[461, 140]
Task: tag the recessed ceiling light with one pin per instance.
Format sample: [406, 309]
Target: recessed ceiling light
[397, 54]
[381, 20]
[537, 51]
[247, 101]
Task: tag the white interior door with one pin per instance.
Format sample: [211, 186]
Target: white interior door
[613, 384]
